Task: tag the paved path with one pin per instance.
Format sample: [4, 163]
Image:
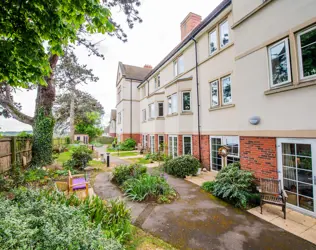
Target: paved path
[197, 220]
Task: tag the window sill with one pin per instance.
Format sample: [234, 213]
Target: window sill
[288, 87]
[221, 107]
[173, 114]
[186, 113]
[160, 118]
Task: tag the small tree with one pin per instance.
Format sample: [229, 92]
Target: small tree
[90, 125]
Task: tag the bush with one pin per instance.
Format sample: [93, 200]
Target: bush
[148, 187]
[124, 172]
[234, 185]
[30, 221]
[155, 157]
[208, 186]
[127, 145]
[81, 155]
[182, 166]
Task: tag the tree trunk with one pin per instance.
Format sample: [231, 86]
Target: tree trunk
[72, 118]
[43, 127]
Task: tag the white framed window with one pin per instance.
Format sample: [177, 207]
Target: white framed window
[152, 143]
[306, 40]
[279, 63]
[144, 141]
[173, 104]
[186, 101]
[157, 81]
[151, 109]
[232, 142]
[213, 41]
[173, 146]
[226, 90]
[160, 109]
[187, 144]
[144, 115]
[161, 141]
[178, 66]
[214, 94]
[224, 33]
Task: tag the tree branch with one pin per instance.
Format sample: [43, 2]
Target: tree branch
[16, 114]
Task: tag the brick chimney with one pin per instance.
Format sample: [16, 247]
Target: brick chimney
[189, 23]
[147, 66]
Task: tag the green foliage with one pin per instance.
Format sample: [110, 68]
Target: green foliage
[23, 42]
[124, 172]
[234, 185]
[104, 140]
[182, 166]
[208, 186]
[128, 144]
[42, 147]
[81, 155]
[24, 134]
[148, 187]
[31, 221]
[12, 178]
[156, 157]
[90, 124]
[67, 140]
[35, 174]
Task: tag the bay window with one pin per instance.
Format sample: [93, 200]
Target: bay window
[160, 109]
[173, 104]
[306, 40]
[279, 63]
[151, 109]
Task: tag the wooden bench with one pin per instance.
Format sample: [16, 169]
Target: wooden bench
[77, 182]
[272, 193]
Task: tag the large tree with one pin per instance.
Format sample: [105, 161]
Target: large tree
[33, 35]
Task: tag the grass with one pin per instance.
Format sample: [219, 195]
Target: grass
[144, 241]
[138, 160]
[65, 156]
[125, 153]
[97, 164]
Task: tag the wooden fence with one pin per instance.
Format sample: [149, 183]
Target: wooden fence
[14, 150]
[19, 150]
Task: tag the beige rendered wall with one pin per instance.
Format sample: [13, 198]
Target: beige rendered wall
[282, 114]
[243, 7]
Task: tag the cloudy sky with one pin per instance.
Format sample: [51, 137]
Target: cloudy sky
[148, 43]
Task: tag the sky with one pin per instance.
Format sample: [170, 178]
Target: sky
[148, 43]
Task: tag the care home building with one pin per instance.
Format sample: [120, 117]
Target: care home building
[244, 77]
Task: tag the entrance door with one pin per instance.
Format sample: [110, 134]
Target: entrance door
[297, 170]
[152, 144]
[173, 146]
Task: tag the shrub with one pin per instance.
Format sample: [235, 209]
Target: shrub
[35, 174]
[182, 166]
[29, 221]
[208, 186]
[234, 185]
[124, 172]
[148, 187]
[81, 155]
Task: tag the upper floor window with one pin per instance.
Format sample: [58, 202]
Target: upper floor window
[224, 33]
[307, 52]
[160, 109]
[151, 110]
[213, 41]
[157, 81]
[144, 115]
[178, 65]
[186, 101]
[279, 63]
[226, 95]
[173, 104]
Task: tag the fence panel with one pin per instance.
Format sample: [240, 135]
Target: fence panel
[5, 154]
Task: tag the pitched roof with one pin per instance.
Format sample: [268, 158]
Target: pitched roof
[194, 32]
[113, 115]
[134, 72]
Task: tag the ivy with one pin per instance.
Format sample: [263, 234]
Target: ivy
[42, 139]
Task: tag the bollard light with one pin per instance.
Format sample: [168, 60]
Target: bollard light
[108, 159]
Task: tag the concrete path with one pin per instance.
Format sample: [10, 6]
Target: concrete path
[197, 220]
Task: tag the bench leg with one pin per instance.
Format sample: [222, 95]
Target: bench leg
[284, 211]
[261, 204]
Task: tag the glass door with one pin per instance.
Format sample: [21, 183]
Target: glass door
[296, 167]
[173, 146]
[152, 144]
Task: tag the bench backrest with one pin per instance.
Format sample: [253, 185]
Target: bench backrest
[270, 186]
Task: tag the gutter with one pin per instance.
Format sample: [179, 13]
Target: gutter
[197, 96]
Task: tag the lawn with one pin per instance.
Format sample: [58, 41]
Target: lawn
[125, 153]
[65, 156]
[144, 241]
[138, 160]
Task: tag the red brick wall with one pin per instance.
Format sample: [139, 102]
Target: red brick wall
[113, 134]
[136, 137]
[258, 154]
[205, 149]
[180, 145]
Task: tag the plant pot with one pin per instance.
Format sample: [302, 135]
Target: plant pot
[199, 171]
